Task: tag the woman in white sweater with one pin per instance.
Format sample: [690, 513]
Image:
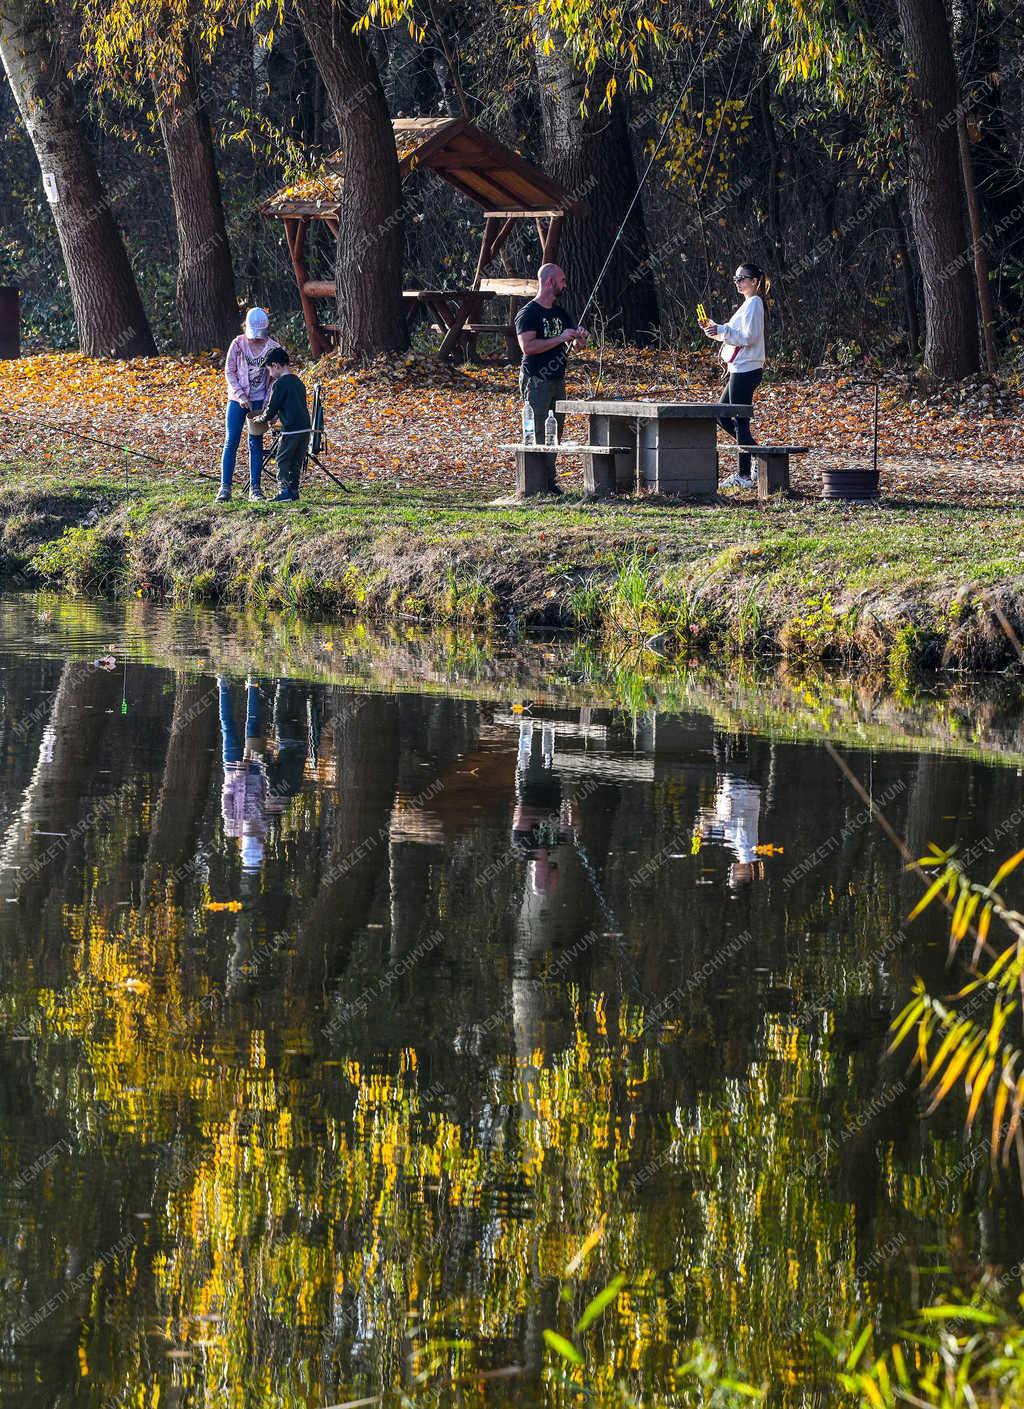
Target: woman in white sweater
[742, 340]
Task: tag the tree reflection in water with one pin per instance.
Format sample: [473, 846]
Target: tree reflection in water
[486, 993]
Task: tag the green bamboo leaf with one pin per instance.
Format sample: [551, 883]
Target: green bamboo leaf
[563, 1347]
[603, 1299]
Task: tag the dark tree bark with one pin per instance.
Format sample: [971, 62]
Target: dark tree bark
[593, 158]
[368, 267]
[935, 190]
[206, 299]
[108, 310]
[907, 280]
[186, 781]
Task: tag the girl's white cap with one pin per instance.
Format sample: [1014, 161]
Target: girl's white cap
[256, 322]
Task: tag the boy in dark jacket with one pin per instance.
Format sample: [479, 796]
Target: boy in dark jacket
[288, 404]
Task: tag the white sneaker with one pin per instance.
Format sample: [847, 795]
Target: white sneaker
[738, 482]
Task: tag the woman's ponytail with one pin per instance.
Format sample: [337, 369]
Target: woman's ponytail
[754, 271]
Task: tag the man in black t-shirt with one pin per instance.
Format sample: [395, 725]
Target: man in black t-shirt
[545, 332]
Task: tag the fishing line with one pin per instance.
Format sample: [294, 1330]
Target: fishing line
[647, 171]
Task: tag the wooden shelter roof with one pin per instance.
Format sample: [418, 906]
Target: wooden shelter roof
[492, 175]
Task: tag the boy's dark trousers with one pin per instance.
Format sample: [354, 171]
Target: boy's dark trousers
[291, 454]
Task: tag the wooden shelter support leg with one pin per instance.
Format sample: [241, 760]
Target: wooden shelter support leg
[486, 250]
[552, 240]
[295, 234]
[496, 232]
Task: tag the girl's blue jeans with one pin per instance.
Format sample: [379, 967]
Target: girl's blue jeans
[233, 427]
[232, 744]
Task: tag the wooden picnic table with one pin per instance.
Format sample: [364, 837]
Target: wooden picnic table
[672, 444]
[458, 314]
[451, 310]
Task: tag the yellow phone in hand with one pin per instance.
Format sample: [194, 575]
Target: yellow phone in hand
[702, 313]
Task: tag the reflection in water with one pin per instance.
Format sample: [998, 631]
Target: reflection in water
[481, 987]
[257, 790]
[734, 820]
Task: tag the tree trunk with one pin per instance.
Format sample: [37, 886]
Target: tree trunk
[108, 310]
[907, 283]
[206, 299]
[935, 191]
[174, 834]
[368, 268]
[592, 158]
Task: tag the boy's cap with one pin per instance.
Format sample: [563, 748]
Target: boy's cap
[257, 322]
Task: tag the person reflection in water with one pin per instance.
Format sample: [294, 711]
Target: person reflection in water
[734, 822]
[257, 788]
[258, 785]
[246, 787]
[543, 820]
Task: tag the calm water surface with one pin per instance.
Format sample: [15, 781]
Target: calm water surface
[335, 1021]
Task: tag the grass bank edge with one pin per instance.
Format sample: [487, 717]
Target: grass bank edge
[898, 587]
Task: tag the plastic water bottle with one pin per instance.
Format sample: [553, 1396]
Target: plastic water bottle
[551, 430]
[529, 429]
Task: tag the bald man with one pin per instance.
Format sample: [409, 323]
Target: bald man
[546, 332]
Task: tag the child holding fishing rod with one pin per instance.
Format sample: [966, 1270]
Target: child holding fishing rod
[742, 340]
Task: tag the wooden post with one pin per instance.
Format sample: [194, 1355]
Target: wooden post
[10, 322]
[772, 475]
[295, 234]
[551, 240]
[486, 250]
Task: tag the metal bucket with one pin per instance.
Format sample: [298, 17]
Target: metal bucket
[10, 322]
[855, 483]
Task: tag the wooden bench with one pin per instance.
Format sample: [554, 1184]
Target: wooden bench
[505, 330]
[773, 477]
[535, 467]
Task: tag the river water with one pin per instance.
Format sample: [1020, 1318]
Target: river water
[361, 1023]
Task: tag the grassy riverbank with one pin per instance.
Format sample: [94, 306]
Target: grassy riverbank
[898, 585]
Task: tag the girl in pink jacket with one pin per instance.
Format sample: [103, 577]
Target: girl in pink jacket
[248, 387]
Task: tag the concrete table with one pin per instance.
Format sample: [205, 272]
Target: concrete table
[672, 443]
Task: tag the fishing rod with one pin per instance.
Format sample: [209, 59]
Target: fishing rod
[647, 171]
[33, 422]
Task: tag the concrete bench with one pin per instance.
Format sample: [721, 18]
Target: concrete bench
[535, 467]
[773, 476]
